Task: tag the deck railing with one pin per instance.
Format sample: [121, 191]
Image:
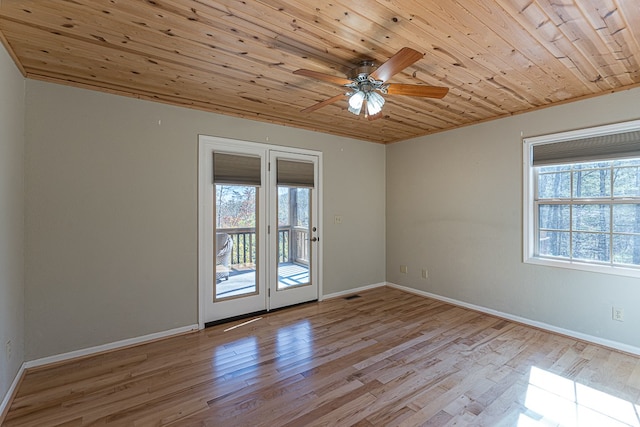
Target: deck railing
[289, 250]
[300, 253]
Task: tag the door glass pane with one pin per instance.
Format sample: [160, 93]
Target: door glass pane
[293, 236]
[235, 241]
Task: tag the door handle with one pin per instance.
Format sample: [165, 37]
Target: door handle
[314, 239]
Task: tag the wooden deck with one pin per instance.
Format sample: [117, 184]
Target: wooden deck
[386, 358]
[242, 282]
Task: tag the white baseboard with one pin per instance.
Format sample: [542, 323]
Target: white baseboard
[353, 291]
[107, 347]
[4, 406]
[578, 335]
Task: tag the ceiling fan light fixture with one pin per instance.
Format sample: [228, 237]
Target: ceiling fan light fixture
[355, 111]
[375, 101]
[366, 82]
[355, 101]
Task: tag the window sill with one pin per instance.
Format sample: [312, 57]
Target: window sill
[576, 265]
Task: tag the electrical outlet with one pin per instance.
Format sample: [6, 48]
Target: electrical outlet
[8, 349]
[337, 219]
[425, 273]
[618, 314]
[403, 269]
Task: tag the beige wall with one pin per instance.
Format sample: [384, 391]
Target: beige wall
[11, 220]
[111, 217]
[111, 214]
[454, 206]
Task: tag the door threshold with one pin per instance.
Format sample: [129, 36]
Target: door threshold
[253, 314]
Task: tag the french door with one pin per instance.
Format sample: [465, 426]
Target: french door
[259, 240]
[294, 248]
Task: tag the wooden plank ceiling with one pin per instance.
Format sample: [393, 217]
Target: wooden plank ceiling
[497, 57]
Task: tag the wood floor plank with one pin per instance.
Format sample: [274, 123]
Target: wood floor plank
[387, 358]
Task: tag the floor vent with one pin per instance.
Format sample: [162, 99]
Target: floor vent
[352, 297]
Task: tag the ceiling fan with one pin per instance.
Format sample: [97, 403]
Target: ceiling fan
[366, 82]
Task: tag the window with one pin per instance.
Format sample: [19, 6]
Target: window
[582, 199]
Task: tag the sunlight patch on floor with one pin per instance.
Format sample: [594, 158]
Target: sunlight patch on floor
[556, 401]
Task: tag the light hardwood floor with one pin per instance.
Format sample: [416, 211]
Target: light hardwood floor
[387, 358]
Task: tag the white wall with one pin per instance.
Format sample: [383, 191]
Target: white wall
[111, 214]
[11, 220]
[454, 207]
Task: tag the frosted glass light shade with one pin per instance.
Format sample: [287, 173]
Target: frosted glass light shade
[355, 102]
[375, 101]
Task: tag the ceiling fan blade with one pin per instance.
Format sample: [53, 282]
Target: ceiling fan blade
[321, 76]
[417, 90]
[325, 102]
[398, 62]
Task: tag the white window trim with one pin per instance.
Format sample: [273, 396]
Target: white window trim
[528, 181]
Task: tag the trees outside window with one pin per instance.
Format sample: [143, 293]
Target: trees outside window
[589, 211]
[236, 206]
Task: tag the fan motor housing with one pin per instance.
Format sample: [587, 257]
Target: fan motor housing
[365, 68]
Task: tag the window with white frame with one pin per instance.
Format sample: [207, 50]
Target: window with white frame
[582, 199]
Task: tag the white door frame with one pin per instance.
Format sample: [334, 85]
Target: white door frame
[206, 146]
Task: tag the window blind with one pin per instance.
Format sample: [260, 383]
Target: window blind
[295, 173]
[236, 169]
[601, 147]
